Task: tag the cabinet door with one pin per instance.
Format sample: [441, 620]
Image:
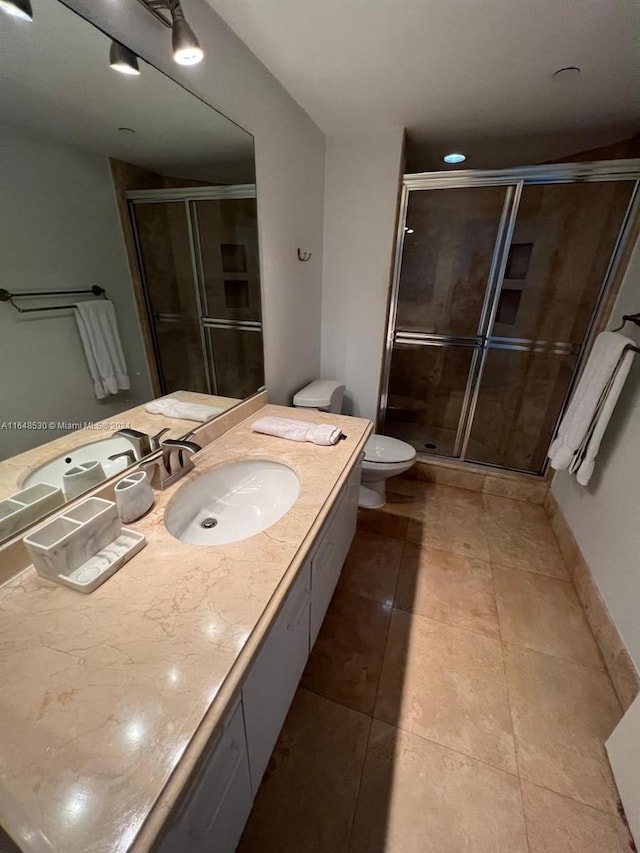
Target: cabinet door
[331, 552]
[274, 676]
[217, 804]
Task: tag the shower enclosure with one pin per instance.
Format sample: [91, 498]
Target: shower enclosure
[197, 252]
[499, 283]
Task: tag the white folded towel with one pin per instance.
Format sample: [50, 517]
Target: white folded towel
[170, 407]
[98, 328]
[324, 434]
[580, 432]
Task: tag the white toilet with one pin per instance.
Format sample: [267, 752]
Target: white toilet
[384, 456]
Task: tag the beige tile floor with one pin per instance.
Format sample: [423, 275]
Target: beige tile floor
[455, 701]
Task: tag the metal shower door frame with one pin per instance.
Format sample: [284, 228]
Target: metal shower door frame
[514, 180]
[189, 198]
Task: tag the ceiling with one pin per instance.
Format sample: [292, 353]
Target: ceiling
[472, 74]
[55, 79]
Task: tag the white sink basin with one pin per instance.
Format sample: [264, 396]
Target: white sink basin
[99, 451]
[232, 502]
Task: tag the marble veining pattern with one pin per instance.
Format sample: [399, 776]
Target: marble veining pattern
[120, 680]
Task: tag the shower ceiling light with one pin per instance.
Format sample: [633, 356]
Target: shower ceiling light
[17, 9]
[454, 158]
[122, 59]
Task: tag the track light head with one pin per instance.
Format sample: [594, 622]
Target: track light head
[186, 48]
[122, 59]
[17, 9]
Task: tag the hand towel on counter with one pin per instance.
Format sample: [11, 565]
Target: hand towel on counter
[170, 407]
[323, 434]
[98, 328]
[580, 432]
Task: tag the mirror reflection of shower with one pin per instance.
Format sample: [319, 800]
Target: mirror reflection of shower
[200, 286]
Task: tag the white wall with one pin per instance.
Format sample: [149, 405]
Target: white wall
[605, 516]
[289, 169]
[363, 174]
[60, 231]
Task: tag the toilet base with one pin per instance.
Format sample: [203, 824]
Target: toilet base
[373, 495]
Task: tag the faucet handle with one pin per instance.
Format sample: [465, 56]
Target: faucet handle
[155, 439]
[181, 444]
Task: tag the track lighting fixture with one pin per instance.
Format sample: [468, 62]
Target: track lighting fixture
[122, 59]
[186, 48]
[17, 9]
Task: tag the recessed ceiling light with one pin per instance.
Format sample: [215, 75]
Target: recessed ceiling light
[454, 158]
[408, 230]
[569, 72]
[17, 9]
[122, 59]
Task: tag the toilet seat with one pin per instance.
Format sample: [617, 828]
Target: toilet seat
[384, 450]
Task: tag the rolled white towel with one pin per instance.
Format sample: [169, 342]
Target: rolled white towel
[324, 434]
[170, 407]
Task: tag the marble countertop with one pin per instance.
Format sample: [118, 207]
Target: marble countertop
[14, 470]
[108, 698]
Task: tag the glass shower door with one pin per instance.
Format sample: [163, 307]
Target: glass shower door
[562, 245]
[163, 238]
[446, 278]
[226, 237]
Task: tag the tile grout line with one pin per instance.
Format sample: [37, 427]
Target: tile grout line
[509, 643]
[445, 746]
[513, 728]
[614, 813]
[473, 631]
[359, 788]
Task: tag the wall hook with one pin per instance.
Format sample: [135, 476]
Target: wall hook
[304, 256]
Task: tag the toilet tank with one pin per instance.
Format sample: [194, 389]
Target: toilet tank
[324, 394]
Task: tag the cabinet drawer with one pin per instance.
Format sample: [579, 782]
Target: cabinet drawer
[332, 550]
[216, 806]
[274, 676]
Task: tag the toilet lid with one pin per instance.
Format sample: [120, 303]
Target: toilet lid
[383, 448]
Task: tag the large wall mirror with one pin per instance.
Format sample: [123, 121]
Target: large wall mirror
[129, 257]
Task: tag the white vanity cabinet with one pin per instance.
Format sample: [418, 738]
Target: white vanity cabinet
[273, 679]
[213, 810]
[332, 548]
[274, 676]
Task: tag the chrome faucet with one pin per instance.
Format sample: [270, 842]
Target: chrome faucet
[129, 454]
[174, 462]
[140, 441]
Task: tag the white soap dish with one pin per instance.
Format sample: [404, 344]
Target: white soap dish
[105, 563]
[84, 546]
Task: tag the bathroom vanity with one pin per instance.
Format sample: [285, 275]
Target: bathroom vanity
[154, 703]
